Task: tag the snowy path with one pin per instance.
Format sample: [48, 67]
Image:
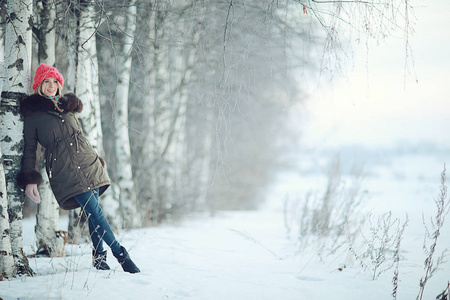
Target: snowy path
[247, 255]
[240, 255]
[208, 258]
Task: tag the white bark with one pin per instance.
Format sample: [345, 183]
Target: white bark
[47, 217]
[87, 78]
[47, 222]
[6, 258]
[16, 85]
[46, 31]
[2, 55]
[128, 201]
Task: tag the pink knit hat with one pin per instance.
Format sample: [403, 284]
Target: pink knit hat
[46, 71]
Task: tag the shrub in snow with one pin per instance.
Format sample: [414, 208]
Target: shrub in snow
[330, 220]
[432, 233]
[378, 251]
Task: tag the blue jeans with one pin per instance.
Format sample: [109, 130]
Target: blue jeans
[99, 228]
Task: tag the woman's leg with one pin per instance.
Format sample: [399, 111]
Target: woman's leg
[101, 231]
[99, 228]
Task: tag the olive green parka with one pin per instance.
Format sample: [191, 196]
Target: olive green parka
[73, 167]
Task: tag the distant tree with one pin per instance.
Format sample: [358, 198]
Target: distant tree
[124, 173]
[246, 86]
[172, 69]
[362, 21]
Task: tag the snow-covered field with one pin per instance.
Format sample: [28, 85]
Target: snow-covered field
[248, 255]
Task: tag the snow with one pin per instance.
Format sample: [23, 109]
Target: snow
[249, 254]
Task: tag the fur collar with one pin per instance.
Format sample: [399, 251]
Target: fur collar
[37, 103]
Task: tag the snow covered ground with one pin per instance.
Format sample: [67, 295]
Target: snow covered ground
[248, 255]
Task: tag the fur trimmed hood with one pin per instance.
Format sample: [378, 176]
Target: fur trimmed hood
[37, 103]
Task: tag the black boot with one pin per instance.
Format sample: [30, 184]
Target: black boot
[125, 261]
[99, 260]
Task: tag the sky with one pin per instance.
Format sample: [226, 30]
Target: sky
[382, 102]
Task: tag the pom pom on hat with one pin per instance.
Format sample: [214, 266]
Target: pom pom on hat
[46, 71]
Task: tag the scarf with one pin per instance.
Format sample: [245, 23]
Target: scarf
[55, 103]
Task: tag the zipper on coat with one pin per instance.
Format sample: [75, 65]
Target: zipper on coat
[75, 136]
[50, 175]
[51, 165]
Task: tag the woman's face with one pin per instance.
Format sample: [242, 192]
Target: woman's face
[49, 87]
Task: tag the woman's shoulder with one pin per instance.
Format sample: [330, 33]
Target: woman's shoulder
[35, 103]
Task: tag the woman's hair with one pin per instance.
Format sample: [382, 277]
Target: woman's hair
[38, 89]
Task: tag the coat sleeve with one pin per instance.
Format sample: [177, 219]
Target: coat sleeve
[29, 174]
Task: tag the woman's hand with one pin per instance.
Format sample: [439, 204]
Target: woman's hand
[32, 192]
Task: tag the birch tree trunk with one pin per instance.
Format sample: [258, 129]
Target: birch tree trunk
[139, 112]
[49, 243]
[200, 141]
[178, 143]
[2, 44]
[16, 86]
[47, 217]
[128, 201]
[7, 268]
[87, 89]
[86, 76]
[156, 181]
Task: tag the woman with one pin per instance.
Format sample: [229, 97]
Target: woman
[76, 173]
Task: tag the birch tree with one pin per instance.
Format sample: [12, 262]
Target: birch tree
[49, 241]
[86, 75]
[7, 268]
[16, 86]
[139, 107]
[2, 42]
[183, 60]
[47, 217]
[158, 104]
[128, 201]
